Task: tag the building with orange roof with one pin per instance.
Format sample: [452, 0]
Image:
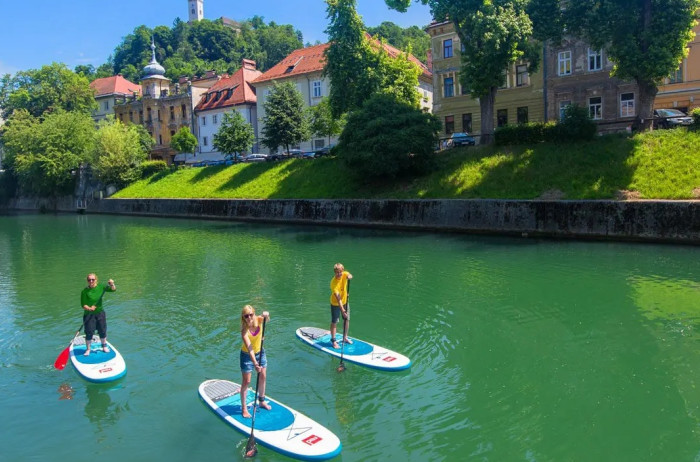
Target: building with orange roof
[304, 68]
[108, 90]
[230, 93]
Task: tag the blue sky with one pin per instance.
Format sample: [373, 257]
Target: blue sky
[38, 32]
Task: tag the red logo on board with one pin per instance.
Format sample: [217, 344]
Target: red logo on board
[311, 440]
[389, 359]
[107, 369]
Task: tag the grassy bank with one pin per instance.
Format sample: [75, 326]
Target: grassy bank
[663, 164]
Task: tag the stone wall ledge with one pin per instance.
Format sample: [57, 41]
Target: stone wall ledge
[653, 221]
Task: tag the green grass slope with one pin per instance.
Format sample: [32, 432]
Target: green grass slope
[664, 164]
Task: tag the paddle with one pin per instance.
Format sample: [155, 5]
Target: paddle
[62, 358]
[341, 368]
[251, 448]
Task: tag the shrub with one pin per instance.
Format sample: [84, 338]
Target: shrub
[528, 133]
[388, 138]
[695, 114]
[576, 125]
[151, 167]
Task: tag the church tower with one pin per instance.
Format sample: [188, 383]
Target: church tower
[196, 10]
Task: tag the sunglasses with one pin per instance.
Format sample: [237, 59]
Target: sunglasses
[91, 279]
[249, 315]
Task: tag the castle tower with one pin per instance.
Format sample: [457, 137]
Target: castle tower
[195, 10]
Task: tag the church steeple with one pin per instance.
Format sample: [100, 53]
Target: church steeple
[195, 10]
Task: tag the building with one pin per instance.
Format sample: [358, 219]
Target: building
[681, 90]
[520, 100]
[108, 91]
[304, 68]
[230, 93]
[195, 10]
[163, 108]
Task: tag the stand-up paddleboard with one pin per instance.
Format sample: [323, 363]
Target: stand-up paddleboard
[281, 428]
[98, 366]
[358, 352]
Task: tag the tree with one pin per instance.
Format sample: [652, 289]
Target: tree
[322, 121]
[53, 87]
[285, 119]
[645, 39]
[118, 152]
[43, 153]
[184, 141]
[494, 34]
[412, 37]
[388, 138]
[235, 134]
[358, 66]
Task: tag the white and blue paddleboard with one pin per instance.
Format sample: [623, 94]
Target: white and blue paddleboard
[98, 366]
[281, 428]
[358, 352]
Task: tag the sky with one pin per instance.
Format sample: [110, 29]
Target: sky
[38, 32]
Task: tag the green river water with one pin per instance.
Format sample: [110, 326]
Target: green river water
[522, 349]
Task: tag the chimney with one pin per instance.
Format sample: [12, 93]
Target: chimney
[248, 64]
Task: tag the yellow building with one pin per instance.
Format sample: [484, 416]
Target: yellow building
[520, 100]
[681, 90]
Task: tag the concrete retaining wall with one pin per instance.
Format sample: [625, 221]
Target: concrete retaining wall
[668, 221]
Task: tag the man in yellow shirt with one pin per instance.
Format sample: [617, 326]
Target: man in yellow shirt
[339, 300]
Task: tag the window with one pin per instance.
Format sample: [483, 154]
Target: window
[172, 133]
[131, 116]
[172, 112]
[564, 63]
[595, 107]
[318, 144]
[522, 115]
[316, 88]
[141, 116]
[449, 124]
[562, 108]
[204, 120]
[627, 105]
[205, 141]
[677, 75]
[449, 87]
[467, 123]
[502, 117]
[447, 48]
[106, 105]
[149, 119]
[595, 60]
[215, 118]
[160, 139]
[184, 111]
[521, 76]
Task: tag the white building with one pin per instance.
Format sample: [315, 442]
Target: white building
[195, 10]
[304, 68]
[230, 93]
[108, 91]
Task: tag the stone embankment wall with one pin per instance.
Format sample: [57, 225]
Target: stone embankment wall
[663, 221]
[670, 221]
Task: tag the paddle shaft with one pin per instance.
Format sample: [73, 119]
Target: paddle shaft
[341, 367]
[251, 440]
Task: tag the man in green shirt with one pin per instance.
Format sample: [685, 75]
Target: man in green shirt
[94, 317]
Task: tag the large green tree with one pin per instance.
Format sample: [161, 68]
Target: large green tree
[51, 88]
[286, 122]
[358, 66]
[494, 34]
[235, 134]
[412, 37]
[645, 39]
[184, 141]
[322, 121]
[118, 152]
[42, 153]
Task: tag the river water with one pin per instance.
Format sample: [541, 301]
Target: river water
[522, 349]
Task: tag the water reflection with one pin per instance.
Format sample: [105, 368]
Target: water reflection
[65, 391]
[99, 408]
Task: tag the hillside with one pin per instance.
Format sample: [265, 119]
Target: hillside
[659, 165]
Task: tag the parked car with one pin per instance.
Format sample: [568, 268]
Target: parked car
[255, 158]
[325, 151]
[296, 153]
[308, 155]
[460, 139]
[670, 118]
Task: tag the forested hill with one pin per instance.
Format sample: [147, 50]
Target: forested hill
[188, 49]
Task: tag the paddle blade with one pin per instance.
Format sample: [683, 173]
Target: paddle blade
[62, 359]
[251, 448]
[341, 368]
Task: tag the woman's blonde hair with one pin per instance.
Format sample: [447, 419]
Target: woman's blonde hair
[248, 309]
[338, 266]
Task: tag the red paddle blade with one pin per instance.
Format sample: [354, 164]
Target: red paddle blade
[251, 448]
[62, 359]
